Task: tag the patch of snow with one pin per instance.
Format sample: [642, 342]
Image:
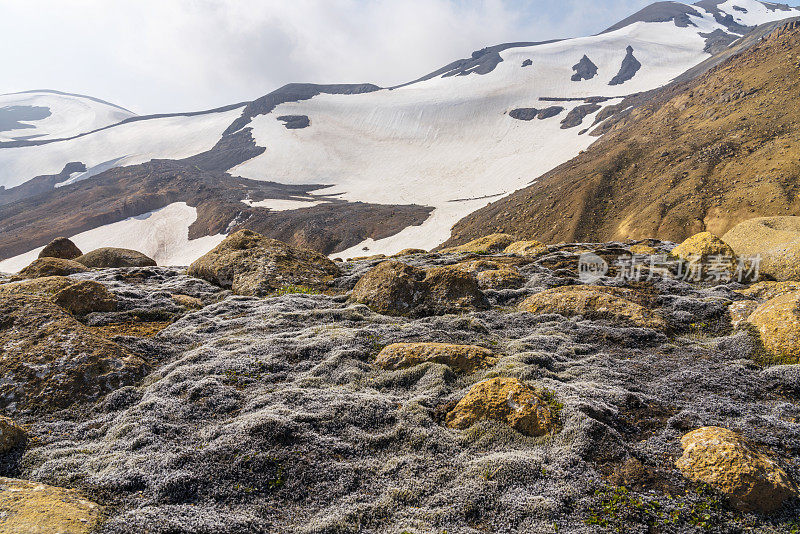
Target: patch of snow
[162, 234]
[70, 115]
[283, 205]
[125, 144]
[757, 12]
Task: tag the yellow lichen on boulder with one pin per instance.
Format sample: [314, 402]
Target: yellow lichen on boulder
[775, 239]
[501, 279]
[702, 246]
[484, 245]
[768, 290]
[465, 358]
[45, 286]
[643, 250]
[778, 322]
[11, 435]
[525, 248]
[726, 461]
[50, 267]
[84, 297]
[506, 400]
[592, 302]
[32, 508]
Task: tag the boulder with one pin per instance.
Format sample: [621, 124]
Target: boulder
[778, 322]
[251, 264]
[109, 257]
[61, 247]
[775, 239]
[395, 288]
[46, 286]
[85, 297]
[409, 252]
[484, 245]
[501, 279]
[50, 267]
[465, 358]
[32, 508]
[12, 435]
[768, 290]
[726, 461]
[506, 400]
[525, 248]
[52, 361]
[593, 302]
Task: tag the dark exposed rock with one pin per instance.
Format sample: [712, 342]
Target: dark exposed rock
[103, 258]
[527, 63]
[251, 264]
[660, 12]
[12, 117]
[523, 114]
[585, 69]
[549, 112]
[576, 115]
[39, 185]
[630, 66]
[718, 41]
[61, 247]
[295, 122]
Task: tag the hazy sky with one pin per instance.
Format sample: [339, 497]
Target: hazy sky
[155, 56]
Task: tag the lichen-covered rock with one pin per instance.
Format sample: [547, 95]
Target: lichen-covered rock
[506, 400]
[108, 257]
[187, 301]
[768, 290]
[395, 288]
[391, 288]
[11, 435]
[251, 264]
[50, 267]
[47, 286]
[525, 248]
[465, 358]
[702, 246]
[409, 252]
[484, 245]
[51, 361]
[451, 290]
[61, 247]
[592, 302]
[726, 461]
[778, 322]
[643, 250]
[775, 239]
[500, 279]
[28, 507]
[740, 311]
[84, 297]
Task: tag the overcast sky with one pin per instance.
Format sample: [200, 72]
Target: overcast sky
[155, 56]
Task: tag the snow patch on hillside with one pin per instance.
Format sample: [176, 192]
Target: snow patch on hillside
[161, 234]
[755, 13]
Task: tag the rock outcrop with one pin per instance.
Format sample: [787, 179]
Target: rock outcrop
[251, 264]
[11, 435]
[395, 288]
[593, 302]
[50, 267]
[52, 361]
[776, 240]
[727, 462]
[33, 508]
[778, 322]
[500, 279]
[466, 358]
[483, 245]
[525, 248]
[61, 247]
[506, 400]
[108, 257]
[702, 246]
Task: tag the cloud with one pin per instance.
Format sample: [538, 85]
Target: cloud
[177, 55]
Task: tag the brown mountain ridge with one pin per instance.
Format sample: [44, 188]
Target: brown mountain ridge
[701, 155]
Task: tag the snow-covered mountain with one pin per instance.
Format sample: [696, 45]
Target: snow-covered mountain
[47, 115]
[454, 140]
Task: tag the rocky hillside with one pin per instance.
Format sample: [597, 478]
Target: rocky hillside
[490, 388]
[702, 155]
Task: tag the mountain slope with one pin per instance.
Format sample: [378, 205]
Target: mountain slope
[452, 141]
[704, 156]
